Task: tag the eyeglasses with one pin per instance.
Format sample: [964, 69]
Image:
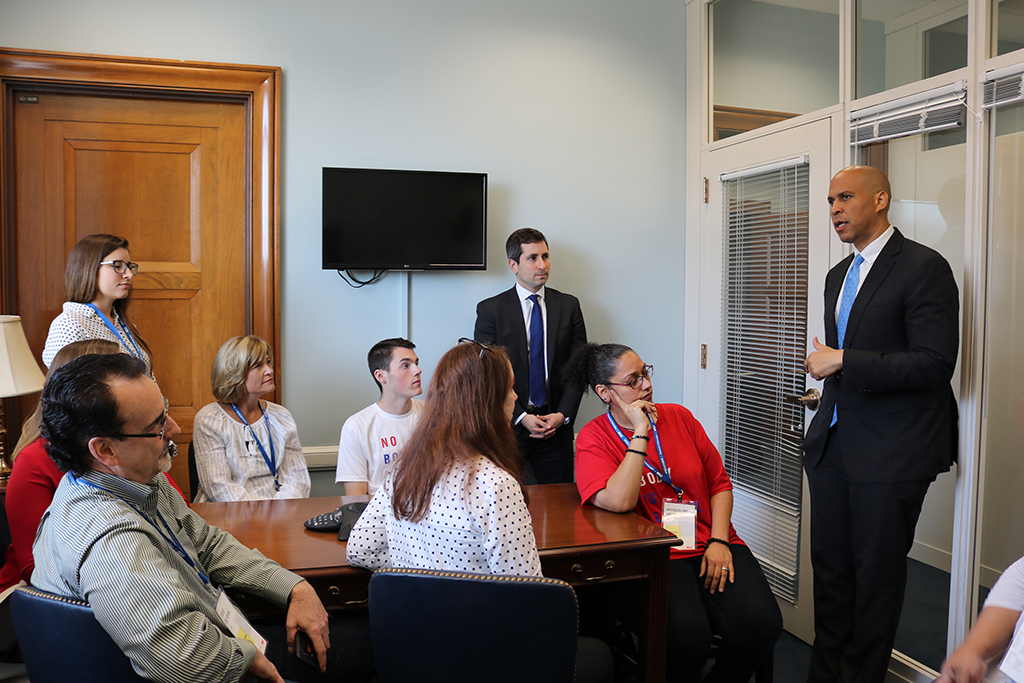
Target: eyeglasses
[637, 381]
[120, 266]
[163, 427]
[483, 347]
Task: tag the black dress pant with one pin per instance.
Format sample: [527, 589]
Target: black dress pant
[551, 460]
[350, 657]
[745, 616]
[860, 536]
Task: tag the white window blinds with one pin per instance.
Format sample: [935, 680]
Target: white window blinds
[922, 113]
[764, 332]
[1003, 88]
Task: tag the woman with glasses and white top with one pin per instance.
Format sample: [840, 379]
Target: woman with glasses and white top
[98, 287]
[655, 459]
[245, 448]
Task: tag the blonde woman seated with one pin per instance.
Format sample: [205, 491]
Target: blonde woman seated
[245, 448]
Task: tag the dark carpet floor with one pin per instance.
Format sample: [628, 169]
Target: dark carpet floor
[921, 635]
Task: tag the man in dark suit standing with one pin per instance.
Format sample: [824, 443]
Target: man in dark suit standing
[540, 328]
[886, 428]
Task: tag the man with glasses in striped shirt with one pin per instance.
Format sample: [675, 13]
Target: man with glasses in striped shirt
[120, 537]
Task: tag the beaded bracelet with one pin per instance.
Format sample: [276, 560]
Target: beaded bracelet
[718, 540]
[633, 450]
[641, 436]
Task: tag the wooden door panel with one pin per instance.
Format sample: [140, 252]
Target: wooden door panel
[157, 191]
[234, 110]
[165, 317]
[168, 176]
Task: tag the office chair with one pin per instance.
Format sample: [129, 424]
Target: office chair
[62, 641]
[193, 473]
[450, 627]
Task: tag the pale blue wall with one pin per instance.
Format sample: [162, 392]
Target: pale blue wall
[574, 107]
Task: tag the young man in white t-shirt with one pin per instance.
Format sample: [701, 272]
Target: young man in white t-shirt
[372, 439]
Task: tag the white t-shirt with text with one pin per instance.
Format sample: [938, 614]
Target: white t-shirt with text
[371, 441]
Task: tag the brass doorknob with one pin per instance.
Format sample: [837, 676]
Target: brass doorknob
[811, 400]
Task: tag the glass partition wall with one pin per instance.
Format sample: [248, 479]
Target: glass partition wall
[1001, 513]
[958, 186]
[772, 62]
[904, 41]
[926, 172]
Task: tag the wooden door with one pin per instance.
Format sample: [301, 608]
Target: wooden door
[169, 172]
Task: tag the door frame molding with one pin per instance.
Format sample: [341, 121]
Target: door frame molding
[258, 87]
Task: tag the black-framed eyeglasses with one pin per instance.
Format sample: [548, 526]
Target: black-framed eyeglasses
[120, 266]
[637, 381]
[163, 427]
[483, 347]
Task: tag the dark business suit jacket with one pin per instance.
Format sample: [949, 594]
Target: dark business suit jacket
[499, 321]
[896, 407]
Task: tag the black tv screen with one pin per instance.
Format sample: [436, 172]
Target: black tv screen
[404, 220]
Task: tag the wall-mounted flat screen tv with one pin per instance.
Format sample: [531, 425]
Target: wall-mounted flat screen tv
[404, 220]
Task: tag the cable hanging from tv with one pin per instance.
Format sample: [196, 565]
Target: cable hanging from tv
[356, 283]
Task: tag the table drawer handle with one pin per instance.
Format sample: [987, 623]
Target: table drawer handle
[334, 592]
[608, 566]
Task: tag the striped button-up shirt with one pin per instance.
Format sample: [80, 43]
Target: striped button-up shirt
[118, 545]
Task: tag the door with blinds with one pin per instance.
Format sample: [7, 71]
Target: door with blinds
[763, 265]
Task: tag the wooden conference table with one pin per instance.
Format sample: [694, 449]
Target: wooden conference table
[582, 546]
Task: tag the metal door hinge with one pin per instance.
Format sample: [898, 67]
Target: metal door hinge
[703, 356]
[706, 190]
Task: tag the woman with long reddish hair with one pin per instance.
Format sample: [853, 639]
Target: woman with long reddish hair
[454, 501]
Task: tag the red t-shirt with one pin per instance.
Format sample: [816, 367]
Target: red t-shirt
[34, 479]
[693, 462]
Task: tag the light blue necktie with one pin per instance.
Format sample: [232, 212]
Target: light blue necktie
[849, 294]
[538, 392]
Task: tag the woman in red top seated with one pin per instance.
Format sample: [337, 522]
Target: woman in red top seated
[34, 477]
[656, 460]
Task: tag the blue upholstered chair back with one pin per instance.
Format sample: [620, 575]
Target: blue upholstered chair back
[451, 627]
[62, 641]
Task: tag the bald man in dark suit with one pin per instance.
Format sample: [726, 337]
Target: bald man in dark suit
[887, 425]
[545, 409]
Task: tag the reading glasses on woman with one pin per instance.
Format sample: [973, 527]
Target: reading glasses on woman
[119, 266]
[637, 381]
[163, 426]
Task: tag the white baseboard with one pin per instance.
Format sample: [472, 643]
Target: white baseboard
[320, 458]
[932, 556]
[943, 559]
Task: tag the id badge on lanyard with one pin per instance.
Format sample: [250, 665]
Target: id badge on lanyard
[238, 625]
[1013, 661]
[680, 518]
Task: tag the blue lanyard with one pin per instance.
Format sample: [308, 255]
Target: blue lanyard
[110, 325]
[663, 474]
[272, 460]
[172, 539]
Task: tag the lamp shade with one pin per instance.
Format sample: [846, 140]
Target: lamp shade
[19, 370]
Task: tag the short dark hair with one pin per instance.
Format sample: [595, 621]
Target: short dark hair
[79, 405]
[514, 243]
[379, 357]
